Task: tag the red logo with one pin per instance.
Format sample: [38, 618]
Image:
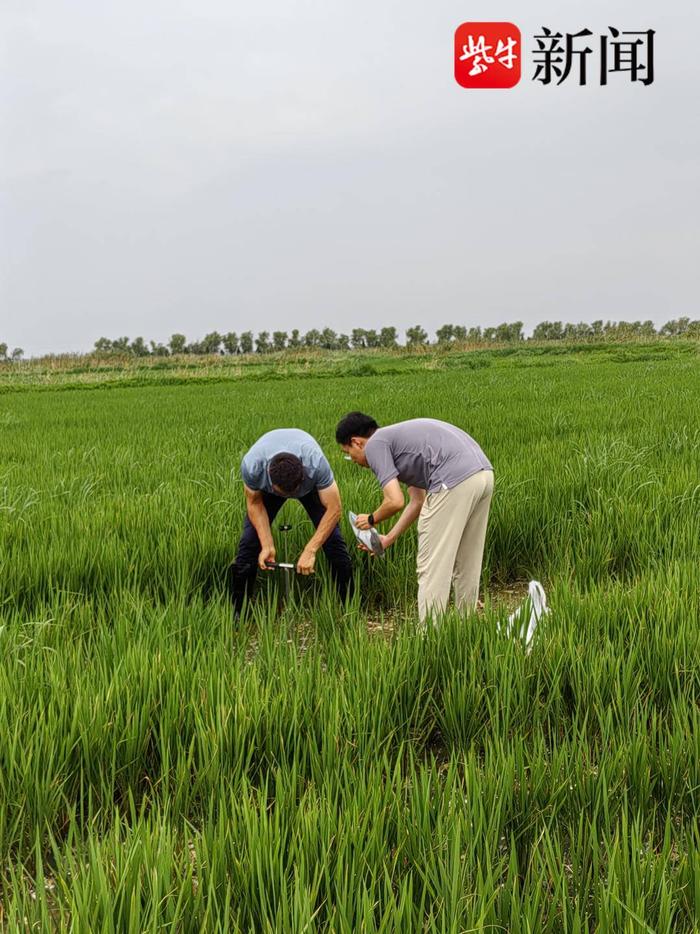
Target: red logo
[488, 55]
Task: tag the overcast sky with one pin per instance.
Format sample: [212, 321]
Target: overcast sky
[190, 165]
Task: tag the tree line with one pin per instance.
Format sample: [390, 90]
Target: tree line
[387, 338]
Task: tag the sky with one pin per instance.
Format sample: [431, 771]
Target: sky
[196, 165]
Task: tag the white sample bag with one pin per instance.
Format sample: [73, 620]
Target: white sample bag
[368, 537]
[522, 626]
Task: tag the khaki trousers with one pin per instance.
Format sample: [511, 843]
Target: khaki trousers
[451, 535]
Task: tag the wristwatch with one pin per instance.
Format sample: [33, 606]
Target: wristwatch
[370, 519]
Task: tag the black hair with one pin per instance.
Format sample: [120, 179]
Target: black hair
[355, 425]
[286, 472]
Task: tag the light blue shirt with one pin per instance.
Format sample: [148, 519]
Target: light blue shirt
[317, 471]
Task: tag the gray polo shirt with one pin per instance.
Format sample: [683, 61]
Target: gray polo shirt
[426, 453]
[317, 471]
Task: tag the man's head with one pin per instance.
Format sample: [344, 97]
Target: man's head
[353, 433]
[286, 473]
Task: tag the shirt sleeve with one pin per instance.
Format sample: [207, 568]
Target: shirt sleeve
[251, 474]
[323, 475]
[379, 458]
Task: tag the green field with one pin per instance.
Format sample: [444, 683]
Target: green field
[314, 770]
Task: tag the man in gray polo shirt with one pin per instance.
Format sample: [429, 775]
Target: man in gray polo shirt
[450, 484]
[283, 464]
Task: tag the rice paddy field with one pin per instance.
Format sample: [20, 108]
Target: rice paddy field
[314, 768]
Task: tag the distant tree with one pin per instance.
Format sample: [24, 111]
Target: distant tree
[312, 338]
[509, 333]
[3, 351]
[328, 339]
[676, 328]
[294, 342]
[177, 343]
[247, 342]
[211, 343]
[459, 332]
[445, 334]
[159, 350]
[17, 354]
[358, 338]
[371, 339]
[121, 345]
[621, 330]
[262, 342]
[578, 332]
[416, 336]
[669, 329]
[230, 342]
[195, 348]
[103, 345]
[548, 331]
[343, 342]
[388, 338]
[489, 335]
[474, 335]
[597, 329]
[138, 347]
[279, 340]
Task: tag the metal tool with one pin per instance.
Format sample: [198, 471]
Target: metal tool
[285, 566]
[287, 570]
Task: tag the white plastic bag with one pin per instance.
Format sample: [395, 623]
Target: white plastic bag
[520, 626]
[368, 537]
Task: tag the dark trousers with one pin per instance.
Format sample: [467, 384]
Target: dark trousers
[245, 567]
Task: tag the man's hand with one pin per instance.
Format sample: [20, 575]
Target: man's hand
[307, 562]
[267, 553]
[362, 521]
[386, 541]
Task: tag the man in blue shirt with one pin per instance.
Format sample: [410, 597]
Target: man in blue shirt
[288, 463]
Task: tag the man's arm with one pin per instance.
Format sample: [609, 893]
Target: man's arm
[330, 498]
[261, 523]
[392, 503]
[408, 516]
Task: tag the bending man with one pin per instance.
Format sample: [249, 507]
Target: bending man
[450, 484]
[288, 464]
